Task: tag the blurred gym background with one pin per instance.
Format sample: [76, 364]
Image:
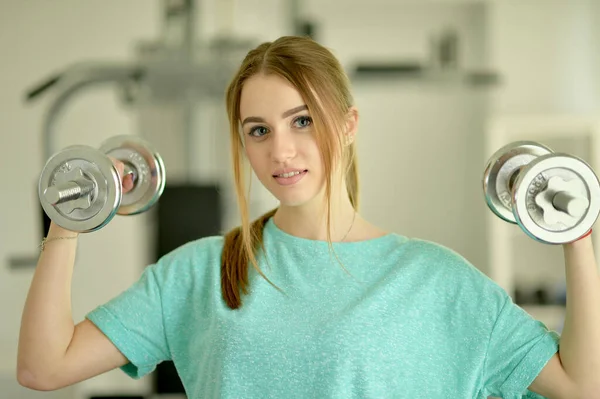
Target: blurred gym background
[440, 85]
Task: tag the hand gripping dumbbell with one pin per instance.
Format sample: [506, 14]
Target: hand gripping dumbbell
[553, 197]
[80, 187]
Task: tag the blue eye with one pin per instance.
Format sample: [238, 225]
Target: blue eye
[303, 121]
[258, 131]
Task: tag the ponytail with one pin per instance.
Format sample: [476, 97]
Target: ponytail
[240, 247]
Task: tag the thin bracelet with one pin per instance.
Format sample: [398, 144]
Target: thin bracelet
[46, 240]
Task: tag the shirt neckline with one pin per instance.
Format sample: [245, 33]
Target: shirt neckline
[272, 228]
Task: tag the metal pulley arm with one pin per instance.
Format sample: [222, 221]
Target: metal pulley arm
[72, 81]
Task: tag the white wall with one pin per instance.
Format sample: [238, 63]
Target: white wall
[547, 54]
[595, 13]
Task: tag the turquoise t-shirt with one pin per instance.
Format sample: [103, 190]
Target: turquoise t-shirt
[406, 319]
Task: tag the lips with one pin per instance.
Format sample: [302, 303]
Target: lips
[290, 176]
[288, 172]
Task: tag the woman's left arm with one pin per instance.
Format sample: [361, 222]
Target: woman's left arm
[575, 370]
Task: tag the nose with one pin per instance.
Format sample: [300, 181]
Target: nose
[283, 147]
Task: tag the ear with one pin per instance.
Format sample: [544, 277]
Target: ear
[351, 125]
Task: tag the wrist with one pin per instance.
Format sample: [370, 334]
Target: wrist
[58, 231]
[584, 237]
[589, 233]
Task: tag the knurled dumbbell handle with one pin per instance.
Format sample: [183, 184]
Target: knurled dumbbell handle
[570, 204]
[68, 191]
[73, 190]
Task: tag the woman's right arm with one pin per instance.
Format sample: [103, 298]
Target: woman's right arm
[54, 352]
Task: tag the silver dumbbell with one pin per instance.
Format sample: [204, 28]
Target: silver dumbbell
[80, 187]
[553, 197]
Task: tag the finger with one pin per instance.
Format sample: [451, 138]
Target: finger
[118, 164]
[128, 183]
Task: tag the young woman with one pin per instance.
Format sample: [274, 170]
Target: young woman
[310, 300]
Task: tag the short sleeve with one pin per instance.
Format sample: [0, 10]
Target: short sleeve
[134, 323]
[518, 350]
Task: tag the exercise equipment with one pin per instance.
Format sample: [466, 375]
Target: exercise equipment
[80, 188]
[553, 197]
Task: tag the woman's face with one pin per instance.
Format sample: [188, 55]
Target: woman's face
[279, 140]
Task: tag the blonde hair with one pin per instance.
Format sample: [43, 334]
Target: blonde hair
[320, 79]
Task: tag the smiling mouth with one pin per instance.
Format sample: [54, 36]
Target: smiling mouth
[291, 174]
[291, 178]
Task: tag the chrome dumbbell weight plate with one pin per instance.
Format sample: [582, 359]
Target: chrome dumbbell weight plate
[501, 172]
[147, 167]
[556, 198]
[79, 189]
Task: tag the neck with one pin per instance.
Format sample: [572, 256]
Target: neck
[310, 220]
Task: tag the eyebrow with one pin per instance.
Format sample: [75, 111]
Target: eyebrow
[284, 115]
